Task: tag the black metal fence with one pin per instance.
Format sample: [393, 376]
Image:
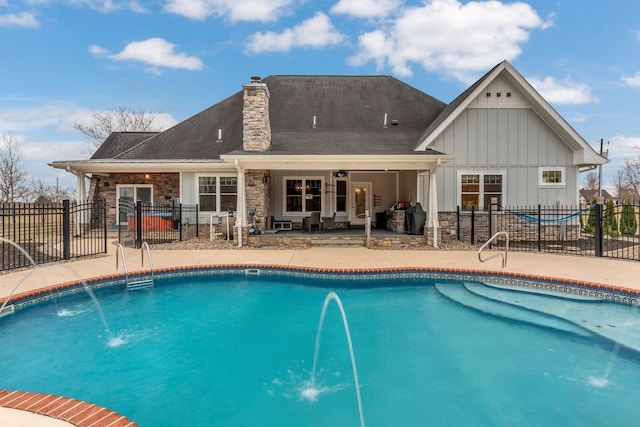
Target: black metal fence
[157, 223]
[596, 230]
[54, 232]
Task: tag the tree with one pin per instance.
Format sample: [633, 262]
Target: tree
[591, 181]
[629, 176]
[609, 220]
[13, 172]
[628, 221]
[123, 119]
[590, 226]
[42, 193]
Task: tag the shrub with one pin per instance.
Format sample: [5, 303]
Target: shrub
[610, 222]
[628, 221]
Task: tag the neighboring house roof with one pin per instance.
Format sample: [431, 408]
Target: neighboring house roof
[584, 154]
[118, 142]
[589, 195]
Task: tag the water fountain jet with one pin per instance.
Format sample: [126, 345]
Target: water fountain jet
[311, 393]
[113, 341]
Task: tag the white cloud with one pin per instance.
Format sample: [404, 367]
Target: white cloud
[563, 92]
[459, 39]
[633, 81]
[103, 6]
[316, 32]
[23, 19]
[366, 8]
[624, 147]
[155, 52]
[57, 116]
[234, 10]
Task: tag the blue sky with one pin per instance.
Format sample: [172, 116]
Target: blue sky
[63, 59]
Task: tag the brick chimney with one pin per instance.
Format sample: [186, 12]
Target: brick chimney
[256, 128]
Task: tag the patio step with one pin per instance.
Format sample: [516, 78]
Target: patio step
[338, 242]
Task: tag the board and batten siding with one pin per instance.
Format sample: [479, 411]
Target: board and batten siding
[513, 141]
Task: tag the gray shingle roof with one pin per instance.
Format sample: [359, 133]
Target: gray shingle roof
[118, 142]
[349, 113]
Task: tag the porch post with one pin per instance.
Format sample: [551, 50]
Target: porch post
[241, 203]
[433, 224]
[81, 197]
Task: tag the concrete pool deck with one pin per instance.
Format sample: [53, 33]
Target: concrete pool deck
[602, 272]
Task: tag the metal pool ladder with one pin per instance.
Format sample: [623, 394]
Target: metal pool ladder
[503, 254]
[138, 284]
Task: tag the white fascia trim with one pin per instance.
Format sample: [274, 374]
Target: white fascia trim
[334, 162]
[165, 166]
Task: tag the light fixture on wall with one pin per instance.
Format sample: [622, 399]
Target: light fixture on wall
[341, 173]
[147, 176]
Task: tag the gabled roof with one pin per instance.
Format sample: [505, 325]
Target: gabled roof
[584, 154]
[349, 113]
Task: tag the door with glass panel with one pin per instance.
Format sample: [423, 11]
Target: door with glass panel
[128, 195]
[360, 202]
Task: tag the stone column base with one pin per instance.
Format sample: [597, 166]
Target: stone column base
[429, 232]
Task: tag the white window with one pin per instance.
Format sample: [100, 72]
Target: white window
[303, 194]
[551, 177]
[217, 193]
[479, 189]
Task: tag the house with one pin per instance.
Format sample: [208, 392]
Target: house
[285, 146]
[588, 196]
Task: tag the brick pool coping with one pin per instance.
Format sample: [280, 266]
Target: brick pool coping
[72, 411]
[83, 414]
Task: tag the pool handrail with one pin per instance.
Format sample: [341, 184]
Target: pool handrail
[143, 248]
[120, 250]
[503, 254]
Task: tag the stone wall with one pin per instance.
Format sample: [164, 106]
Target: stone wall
[165, 187]
[258, 195]
[256, 126]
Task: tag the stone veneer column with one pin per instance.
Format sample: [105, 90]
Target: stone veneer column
[258, 195]
[256, 127]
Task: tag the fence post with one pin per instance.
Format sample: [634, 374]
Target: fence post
[473, 225]
[490, 223]
[458, 222]
[138, 224]
[180, 222]
[66, 230]
[598, 230]
[103, 206]
[197, 222]
[539, 228]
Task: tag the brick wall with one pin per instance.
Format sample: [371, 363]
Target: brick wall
[165, 186]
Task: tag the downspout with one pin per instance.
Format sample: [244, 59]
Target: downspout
[241, 202]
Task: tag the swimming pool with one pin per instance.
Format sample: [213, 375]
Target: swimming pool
[237, 350]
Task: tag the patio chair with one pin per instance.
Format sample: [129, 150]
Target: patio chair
[329, 222]
[314, 221]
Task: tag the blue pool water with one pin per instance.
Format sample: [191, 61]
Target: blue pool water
[236, 350]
